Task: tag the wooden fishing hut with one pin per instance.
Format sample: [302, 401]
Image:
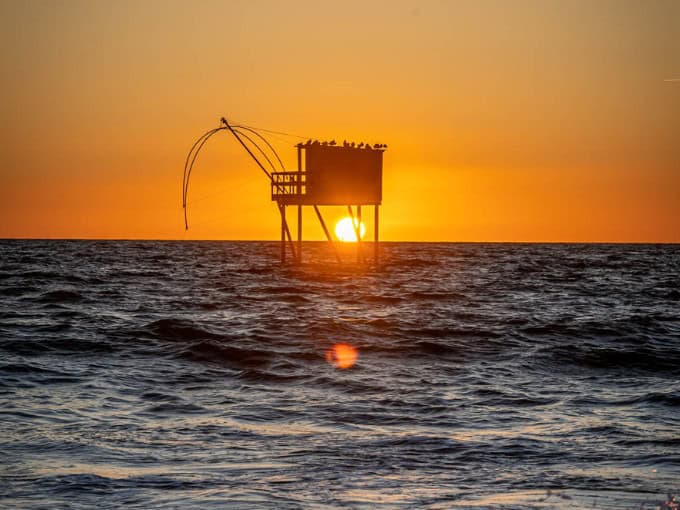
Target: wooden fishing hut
[330, 174]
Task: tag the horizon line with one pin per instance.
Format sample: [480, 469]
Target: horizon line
[175, 240]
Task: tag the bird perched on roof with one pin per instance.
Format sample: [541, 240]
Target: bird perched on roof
[352, 145]
[361, 145]
[376, 145]
[308, 142]
[332, 142]
[324, 143]
[344, 143]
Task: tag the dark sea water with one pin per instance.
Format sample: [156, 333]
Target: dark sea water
[195, 375]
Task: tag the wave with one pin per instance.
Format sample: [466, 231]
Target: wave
[437, 349]
[294, 298]
[174, 408]
[282, 289]
[266, 376]
[178, 329]
[18, 290]
[449, 332]
[666, 399]
[673, 295]
[388, 300]
[214, 352]
[26, 368]
[643, 358]
[61, 296]
[411, 262]
[34, 347]
[436, 296]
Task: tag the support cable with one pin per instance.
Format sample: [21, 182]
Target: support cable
[224, 121]
[283, 168]
[276, 132]
[264, 154]
[279, 187]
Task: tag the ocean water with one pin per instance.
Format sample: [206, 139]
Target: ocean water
[203, 375]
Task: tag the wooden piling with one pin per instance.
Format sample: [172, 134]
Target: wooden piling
[282, 210]
[376, 236]
[299, 211]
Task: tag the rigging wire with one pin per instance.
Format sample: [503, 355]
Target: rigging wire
[275, 132]
[237, 131]
[201, 198]
[265, 141]
[258, 148]
[271, 177]
[279, 139]
[224, 121]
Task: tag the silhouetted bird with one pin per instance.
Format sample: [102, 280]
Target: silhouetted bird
[376, 145]
[324, 143]
[384, 146]
[361, 145]
[332, 142]
[352, 145]
[344, 143]
[315, 142]
[308, 142]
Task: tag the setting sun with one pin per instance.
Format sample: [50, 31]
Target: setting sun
[345, 231]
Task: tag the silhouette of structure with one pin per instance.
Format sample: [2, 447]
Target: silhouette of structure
[327, 174]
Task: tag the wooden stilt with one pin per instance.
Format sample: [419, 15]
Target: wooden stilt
[376, 236]
[328, 234]
[282, 210]
[290, 242]
[285, 234]
[299, 234]
[299, 215]
[358, 230]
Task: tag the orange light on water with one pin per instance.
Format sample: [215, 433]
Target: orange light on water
[342, 356]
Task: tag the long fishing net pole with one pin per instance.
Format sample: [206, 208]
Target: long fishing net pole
[205, 138]
[237, 131]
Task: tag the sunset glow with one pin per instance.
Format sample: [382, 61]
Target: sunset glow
[529, 121]
[345, 230]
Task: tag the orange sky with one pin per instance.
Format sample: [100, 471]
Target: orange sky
[506, 120]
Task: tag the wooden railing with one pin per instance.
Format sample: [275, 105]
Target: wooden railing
[288, 184]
